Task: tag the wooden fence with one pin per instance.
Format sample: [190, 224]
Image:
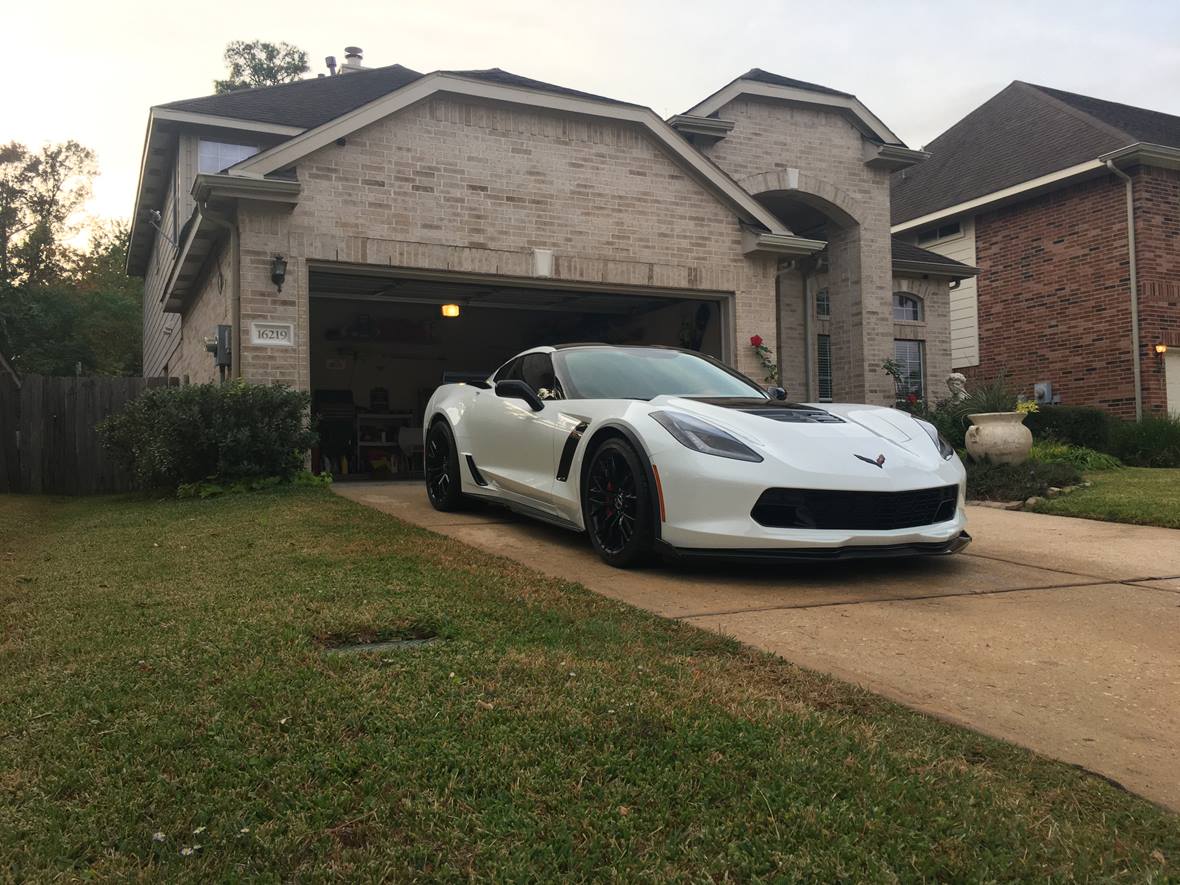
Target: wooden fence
[48, 444]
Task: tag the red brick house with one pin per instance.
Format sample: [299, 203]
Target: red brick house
[1070, 208]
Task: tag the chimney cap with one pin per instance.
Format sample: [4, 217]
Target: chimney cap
[353, 52]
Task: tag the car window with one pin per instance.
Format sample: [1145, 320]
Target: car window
[536, 370]
[647, 372]
[510, 371]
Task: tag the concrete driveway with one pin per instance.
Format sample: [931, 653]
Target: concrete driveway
[1059, 634]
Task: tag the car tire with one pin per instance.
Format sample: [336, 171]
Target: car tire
[440, 463]
[617, 505]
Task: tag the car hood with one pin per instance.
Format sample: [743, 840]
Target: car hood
[815, 436]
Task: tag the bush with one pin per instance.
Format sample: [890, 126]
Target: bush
[1152, 442]
[1076, 425]
[1078, 456]
[1015, 482]
[211, 433]
[991, 396]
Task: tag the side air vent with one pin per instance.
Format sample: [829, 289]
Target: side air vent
[475, 474]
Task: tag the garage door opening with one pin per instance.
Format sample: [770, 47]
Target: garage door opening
[381, 344]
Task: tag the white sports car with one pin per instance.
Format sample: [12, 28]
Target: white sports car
[659, 449]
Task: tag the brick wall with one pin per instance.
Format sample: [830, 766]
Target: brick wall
[823, 156]
[1053, 292]
[1157, 247]
[465, 186]
[208, 308]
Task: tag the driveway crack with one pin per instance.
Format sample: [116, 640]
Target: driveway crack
[834, 603]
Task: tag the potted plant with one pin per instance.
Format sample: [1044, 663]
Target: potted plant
[997, 432]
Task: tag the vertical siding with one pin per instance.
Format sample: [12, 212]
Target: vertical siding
[964, 300]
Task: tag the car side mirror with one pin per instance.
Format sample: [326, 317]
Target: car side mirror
[519, 390]
[777, 392]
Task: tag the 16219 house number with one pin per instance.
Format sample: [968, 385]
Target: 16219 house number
[272, 334]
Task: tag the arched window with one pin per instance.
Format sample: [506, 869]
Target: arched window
[907, 308]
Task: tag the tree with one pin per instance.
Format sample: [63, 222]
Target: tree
[258, 63]
[60, 304]
[40, 195]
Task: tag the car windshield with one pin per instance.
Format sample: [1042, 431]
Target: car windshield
[644, 373]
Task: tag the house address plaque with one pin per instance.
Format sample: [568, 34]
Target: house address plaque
[272, 334]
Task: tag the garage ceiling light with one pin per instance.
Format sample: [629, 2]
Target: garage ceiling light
[450, 310]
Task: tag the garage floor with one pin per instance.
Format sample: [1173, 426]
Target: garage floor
[1059, 634]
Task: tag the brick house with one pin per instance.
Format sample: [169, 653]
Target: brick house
[371, 234]
[1070, 208]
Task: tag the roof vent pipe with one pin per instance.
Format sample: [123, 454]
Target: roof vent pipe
[330, 61]
[353, 59]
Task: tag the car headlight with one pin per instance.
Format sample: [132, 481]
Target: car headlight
[945, 449]
[701, 436]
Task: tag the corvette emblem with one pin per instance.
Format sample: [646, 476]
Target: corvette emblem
[879, 461]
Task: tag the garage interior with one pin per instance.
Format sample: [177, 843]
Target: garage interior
[381, 342]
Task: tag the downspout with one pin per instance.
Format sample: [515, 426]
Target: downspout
[1134, 285]
[235, 292]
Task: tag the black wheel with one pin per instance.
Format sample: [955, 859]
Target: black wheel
[441, 462]
[616, 505]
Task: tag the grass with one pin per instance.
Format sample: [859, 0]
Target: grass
[162, 671]
[1140, 495]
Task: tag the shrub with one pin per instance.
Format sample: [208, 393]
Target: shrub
[1079, 456]
[1076, 425]
[1015, 482]
[211, 433]
[1152, 442]
[992, 396]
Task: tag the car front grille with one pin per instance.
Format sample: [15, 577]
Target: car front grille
[854, 511]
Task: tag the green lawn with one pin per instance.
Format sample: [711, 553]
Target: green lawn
[1141, 495]
[162, 671]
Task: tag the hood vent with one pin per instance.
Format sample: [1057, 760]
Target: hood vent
[796, 416]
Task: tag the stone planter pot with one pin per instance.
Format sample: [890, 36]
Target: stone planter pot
[999, 437]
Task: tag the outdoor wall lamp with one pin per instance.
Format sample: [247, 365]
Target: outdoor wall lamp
[450, 311]
[1161, 348]
[278, 271]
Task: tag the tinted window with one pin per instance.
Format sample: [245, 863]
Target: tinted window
[536, 369]
[644, 373]
[510, 371]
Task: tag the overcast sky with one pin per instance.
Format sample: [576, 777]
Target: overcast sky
[89, 70]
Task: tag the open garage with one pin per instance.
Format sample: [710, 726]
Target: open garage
[381, 341]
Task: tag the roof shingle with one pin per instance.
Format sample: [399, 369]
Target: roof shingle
[303, 103]
[1021, 133]
[903, 251]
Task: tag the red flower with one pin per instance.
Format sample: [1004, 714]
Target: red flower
[756, 340]
[912, 398]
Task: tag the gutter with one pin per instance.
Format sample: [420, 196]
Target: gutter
[1134, 274]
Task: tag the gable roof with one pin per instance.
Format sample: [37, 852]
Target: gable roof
[507, 78]
[760, 76]
[775, 86]
[302, 103]
[1023, 133]
[498, 85]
